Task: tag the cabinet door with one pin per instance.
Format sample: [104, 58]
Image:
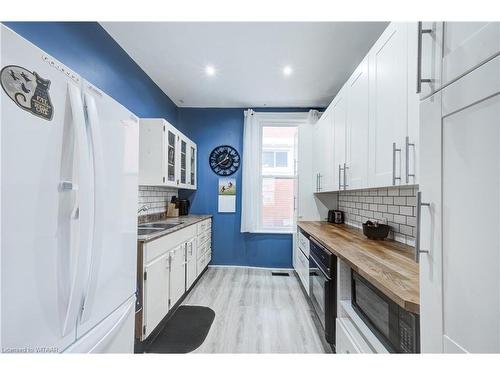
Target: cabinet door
[151, 152]
[339, 114]
[412, 144]
[316, 151]
[177, 273]
[471, 185]
[430, 61]
[431, 325]
[183, 161]
[388, 115]
[156, 292]
[357, 128]
[468, 45]
[192, 167]
[171, 155]
[191, 264]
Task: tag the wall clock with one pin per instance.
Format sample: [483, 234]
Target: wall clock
[224, 160]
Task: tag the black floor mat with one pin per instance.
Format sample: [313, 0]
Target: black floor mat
[184, 331]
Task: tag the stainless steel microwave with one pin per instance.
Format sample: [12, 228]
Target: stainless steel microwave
[397, 328]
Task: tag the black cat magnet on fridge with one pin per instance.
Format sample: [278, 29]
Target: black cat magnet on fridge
[28, 90]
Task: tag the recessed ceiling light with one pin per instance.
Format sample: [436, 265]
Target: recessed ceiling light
[210, 70]
[287, 70]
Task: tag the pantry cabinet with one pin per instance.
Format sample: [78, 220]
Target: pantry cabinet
[166, 156]
[460, 172]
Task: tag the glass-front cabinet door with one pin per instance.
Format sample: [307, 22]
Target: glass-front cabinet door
[171, 167]
[183, 179]
[192, 166]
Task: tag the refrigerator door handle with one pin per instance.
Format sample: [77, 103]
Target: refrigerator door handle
[85, 213]
[99, 176]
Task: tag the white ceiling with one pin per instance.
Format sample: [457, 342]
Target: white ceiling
[249, 58]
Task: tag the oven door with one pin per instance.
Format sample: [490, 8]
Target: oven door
[318, 285]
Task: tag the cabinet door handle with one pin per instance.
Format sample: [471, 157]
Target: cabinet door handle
[408, 145]
[345, 168]
[418, 250]
[419, 56]
[394, 151]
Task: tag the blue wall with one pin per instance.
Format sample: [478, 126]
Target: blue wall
[211, 127]
[89, 50]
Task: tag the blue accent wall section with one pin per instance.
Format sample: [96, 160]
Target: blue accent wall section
[87, 49]
[211, 127]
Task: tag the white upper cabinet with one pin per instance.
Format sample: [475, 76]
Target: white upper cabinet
[339, 116]
[165, 155]
[466, 45]
[357, 128]
[323, 153]
[192, 165]
[388, 64]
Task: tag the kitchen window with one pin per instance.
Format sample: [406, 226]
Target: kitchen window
[269, 169]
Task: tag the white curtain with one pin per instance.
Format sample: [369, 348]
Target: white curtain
[251, 170]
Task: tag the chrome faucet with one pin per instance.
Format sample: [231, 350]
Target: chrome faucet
[143, 208]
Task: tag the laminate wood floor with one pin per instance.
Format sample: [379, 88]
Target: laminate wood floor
[256, 312]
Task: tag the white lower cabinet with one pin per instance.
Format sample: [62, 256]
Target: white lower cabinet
[344, 342]
[301, 261]
[171, 265]
[177, 273]
[156, 292]
[191, 266]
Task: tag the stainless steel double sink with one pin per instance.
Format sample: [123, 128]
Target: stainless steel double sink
[145, 229]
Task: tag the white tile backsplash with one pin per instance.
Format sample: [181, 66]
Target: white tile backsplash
[396, 205]
[156, 198]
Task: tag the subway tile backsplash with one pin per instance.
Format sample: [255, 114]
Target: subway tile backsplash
[156, 198]
[394, 205]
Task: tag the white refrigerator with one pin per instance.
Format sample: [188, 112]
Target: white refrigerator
[69, 175]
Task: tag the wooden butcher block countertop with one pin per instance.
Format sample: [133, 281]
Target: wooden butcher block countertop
[388, 265]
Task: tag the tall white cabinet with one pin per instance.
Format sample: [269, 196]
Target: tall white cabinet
[459, 197]
[166, 156]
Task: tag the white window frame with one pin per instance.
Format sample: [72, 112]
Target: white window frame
[276, 119]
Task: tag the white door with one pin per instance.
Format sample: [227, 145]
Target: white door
[431, 321]
[191, 263]
[177, 273]
[460, 276]
[388, 103]
[357, 128]
[467, 45]
[471, 184]
[156, 292]
[115, 136]
[46, 198]
[339, 116]
[317, 158]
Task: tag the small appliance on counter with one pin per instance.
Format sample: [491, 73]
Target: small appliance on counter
[336, 216]
[183, 206]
